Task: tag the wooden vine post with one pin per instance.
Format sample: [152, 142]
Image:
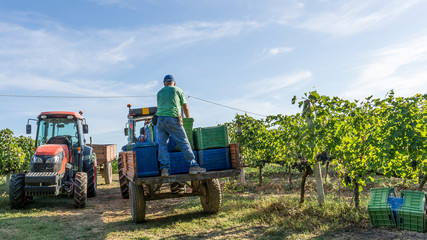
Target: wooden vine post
[242, 169]
[317, 170]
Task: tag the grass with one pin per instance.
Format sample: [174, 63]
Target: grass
[249, 211]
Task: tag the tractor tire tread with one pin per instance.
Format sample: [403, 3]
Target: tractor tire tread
[80, 190]
[17, 191]
[91, 181]
[124, 183]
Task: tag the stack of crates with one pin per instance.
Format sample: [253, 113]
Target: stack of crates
[188, 127]
[213, 147]
[411, 216]
[178, 163]
[379, 208]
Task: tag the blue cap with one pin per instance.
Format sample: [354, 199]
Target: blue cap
[168, 78]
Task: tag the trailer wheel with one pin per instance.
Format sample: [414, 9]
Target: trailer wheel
[108, 173]
[137, 202]
[212, 195]
[124, 183]
[80, 190]
[92, 181]
[17, 197]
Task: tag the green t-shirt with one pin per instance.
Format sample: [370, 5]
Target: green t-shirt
[169, 101]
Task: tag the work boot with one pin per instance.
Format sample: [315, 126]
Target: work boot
[196, 170]
[165, 173]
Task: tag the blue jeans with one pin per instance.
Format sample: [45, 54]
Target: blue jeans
[170, 127]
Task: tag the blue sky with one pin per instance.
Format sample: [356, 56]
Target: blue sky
[252, 55]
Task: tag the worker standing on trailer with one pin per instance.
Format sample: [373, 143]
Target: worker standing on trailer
[170, 99]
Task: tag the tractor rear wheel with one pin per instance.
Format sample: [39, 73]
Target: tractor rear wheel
[212, 195]
[108, 173]
[92, 181]
[137, 202]
[80, 190]
[124, 183]
[17, 191]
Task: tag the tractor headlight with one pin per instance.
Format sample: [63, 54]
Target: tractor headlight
[54, 159]
[36, 159]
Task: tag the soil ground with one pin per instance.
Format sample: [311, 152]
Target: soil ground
[108, 217]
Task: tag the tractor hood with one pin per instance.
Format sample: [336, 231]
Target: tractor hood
[50, 158]
[51, 149]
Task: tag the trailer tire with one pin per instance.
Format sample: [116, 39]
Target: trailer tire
[124, 183]
[17, 197]
[212, 195]
[108, 173]
[92, 181]
[137, 202]
[80, 190]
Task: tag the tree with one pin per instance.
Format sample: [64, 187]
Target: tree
[15, 152]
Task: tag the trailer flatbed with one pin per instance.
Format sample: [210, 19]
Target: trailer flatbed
[187, 177]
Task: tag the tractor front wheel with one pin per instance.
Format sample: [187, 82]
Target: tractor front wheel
[80, 190]
[137, 202]
[212, 195]
[17, 191]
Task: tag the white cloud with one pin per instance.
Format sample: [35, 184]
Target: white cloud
[400, 66]
[268, 86]
[279, 50]
[356, 16]
[61, 52]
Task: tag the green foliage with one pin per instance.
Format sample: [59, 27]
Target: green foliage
[365, 138]
[256, 140]
[15, 152]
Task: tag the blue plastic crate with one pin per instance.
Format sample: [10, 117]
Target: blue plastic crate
[173, 146]
[395, 203]
[178, 164]
[215, 159]
[146, 159]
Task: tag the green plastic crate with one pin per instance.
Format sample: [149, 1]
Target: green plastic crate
[413, 200]
[211, 137]
[381, 216]
[379, 209]
[411, 220]
[411, 216]
[151, 130]
[188, 127]
[379, 196]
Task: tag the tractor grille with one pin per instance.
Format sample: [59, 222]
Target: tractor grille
[46, 167]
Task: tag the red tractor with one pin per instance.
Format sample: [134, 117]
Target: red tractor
[62, 163]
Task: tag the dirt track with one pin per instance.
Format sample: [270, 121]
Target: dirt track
[108, 212]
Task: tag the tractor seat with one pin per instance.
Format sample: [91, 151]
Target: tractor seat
[60, 140]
